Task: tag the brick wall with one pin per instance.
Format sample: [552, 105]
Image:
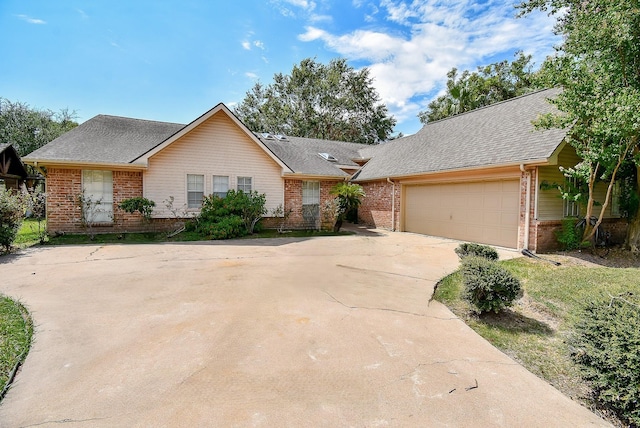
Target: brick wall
[64, 185]
[293, 202]
[523, 209]
[127, 184]
[63, 188]
[376, 209]
[545, 233]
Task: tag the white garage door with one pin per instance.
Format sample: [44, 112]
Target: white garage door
[485, 211]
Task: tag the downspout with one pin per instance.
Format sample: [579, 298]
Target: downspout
[393, 204]
[527, 205]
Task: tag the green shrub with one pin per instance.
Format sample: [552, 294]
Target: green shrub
[227, 227]
[138, 204]
[487, 285]
[470, 249]
[569, 236]
[12, 209]
[607, 344]
[233, 216]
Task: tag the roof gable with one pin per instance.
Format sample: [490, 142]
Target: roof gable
[220, 108]
[499, 134]
[10, 163]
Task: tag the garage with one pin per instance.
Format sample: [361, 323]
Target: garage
[483, 211]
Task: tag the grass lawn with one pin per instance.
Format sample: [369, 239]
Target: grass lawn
[16, 329]
[535, 329]
[30, 233]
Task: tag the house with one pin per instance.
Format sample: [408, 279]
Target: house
[484, 176]
[110, 159]
[477, 176]
[12, 171]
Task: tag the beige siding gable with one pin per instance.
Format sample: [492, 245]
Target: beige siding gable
[216, 147]
[550, 204]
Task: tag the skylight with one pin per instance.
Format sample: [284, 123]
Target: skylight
[329, 157]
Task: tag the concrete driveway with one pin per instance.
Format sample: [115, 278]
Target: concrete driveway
[328, 332]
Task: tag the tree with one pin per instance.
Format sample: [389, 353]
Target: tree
[349, 197]
[332, 101]
[29, 129]
[490, 84]
[598, 66]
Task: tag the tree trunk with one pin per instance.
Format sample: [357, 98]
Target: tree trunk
[632, 242]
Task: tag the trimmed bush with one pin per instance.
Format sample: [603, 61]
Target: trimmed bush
[12, 209]
[233, 216]
[470, 249]
[607, 348]
[487, 285]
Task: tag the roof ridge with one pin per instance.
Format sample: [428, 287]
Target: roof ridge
[487, 106]
[137, 119]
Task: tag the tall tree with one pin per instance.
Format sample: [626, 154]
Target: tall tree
[29, 129]
[598, 66]
[489, 84]
[332, 101]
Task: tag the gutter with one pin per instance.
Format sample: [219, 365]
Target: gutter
[527, 204]
[39, 163]
[417, 175]
[393, 204]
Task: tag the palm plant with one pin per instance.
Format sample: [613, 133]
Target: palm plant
[349, 197]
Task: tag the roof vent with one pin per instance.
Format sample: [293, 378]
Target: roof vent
[267, 136]
[327, 156]
[281, 137]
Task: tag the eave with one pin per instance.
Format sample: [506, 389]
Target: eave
[57, 163]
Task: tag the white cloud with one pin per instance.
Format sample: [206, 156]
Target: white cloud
[31, 20]
[259, 44]
[422, 40]
[246, 45]
[251, 75]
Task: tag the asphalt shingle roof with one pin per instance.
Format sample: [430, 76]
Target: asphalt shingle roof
[106, 139]
[499, 134]
[302, 155]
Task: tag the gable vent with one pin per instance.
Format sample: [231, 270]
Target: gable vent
[329, 157]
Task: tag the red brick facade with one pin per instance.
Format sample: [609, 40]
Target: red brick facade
[64, 186]
[293, 205]
[376, 209]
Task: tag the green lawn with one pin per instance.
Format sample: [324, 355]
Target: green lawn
[30, 233]
[534, 330]
[16, 330]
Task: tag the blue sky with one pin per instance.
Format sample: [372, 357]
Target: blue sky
[173, 60]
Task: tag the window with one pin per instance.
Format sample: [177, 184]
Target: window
[195, 190]
[97, 190]
[220, 185]
[310, 193]
[571, 207]
[615, 199]
[244, 184]
[311, 203]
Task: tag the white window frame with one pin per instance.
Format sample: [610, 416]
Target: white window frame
[220, 185]
[241, 184]
[195, 190]
[97, 190]
[310, 193]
